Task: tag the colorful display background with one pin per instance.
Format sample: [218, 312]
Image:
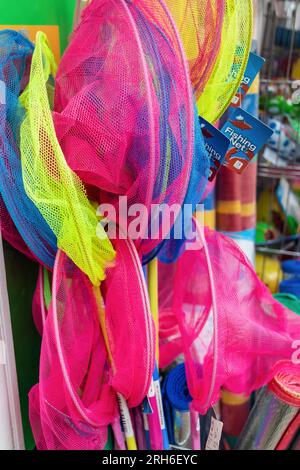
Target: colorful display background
[52, 33]
[41, 12]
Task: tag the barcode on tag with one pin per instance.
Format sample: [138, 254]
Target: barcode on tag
[215, 434]
[125, 416]
[159, 404]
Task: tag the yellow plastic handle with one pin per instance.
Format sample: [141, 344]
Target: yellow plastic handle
[153, 297]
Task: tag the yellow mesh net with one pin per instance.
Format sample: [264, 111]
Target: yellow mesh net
[230, 65]
[56, 191]
[199, 23]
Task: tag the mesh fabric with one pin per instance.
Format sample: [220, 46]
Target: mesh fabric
[124, 110]
[56, 191]
[10, 233]
[128, 331]
[129, 325]
[15, 57]
[228, 70]
[170, 339]
[171, 248]
[73, 402]
[234, 334]
[200, 25]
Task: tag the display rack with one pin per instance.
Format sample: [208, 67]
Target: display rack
[279, 15]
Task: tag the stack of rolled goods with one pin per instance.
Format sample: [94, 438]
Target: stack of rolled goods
[276, 406]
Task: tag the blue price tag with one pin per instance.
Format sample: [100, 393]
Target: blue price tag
[247, 136]
[253, 68]
[216, 145]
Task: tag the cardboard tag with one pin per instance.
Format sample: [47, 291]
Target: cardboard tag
[247, 136]
[125, 416]
[253, 68]
[216, 145]
[215, 434]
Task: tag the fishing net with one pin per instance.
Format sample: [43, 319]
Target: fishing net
[155, 24]
[124, 110]
[10, 233]
[234, 334]
[129, 326]
[56, 191]
[200, 26]
[228, 70]
[169, 250]
[15, 57]
[124, 285]
[73, 402]
[170, 340]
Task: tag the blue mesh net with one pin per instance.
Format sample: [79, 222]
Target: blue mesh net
[170, 249]
[15, 57]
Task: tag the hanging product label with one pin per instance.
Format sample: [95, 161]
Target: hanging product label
[247, 136]
[159, 404]
[215, 435]
[253, 68]
[216, 145]
[125, 416]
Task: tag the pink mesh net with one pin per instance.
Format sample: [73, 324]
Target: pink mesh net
[129, 325]
[234, 334]
[73, 402]
[170, 341]
[90, 365]
[124, 107]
